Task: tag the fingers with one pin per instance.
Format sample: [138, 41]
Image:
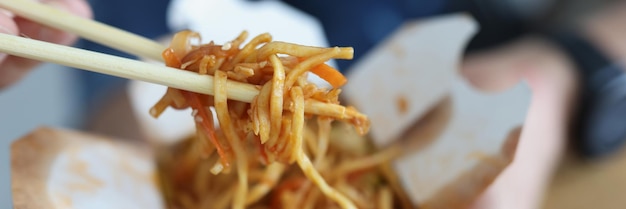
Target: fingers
[13, 68]
[531, 59]
[493, 70]
[6, 23]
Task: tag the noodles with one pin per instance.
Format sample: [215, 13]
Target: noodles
[323, 125]
[276, 101]
[248, 158]
[221, 107]
[270, 178]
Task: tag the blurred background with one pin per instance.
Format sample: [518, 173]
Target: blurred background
[55, 96]
[44, 97]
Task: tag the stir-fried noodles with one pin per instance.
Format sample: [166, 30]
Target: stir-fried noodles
[246, 159]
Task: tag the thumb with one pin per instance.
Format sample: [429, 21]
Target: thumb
[533, 60]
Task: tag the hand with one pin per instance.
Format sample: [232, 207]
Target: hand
[551, 77]
[12, 68]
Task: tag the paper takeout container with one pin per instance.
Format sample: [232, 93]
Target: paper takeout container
[55, 168]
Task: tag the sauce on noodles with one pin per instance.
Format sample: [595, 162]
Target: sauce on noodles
[247, 158]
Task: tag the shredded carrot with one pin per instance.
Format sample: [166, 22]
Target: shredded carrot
[329, 74]
[170, 58]
[207, 124]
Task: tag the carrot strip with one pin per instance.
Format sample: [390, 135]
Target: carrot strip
[329, 74]
[170, 58]
[207, 124]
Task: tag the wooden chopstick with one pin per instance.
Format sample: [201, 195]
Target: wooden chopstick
[86, 28]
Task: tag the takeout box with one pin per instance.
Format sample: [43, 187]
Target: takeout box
[55, 168]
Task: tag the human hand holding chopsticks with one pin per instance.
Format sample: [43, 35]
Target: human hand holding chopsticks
[12, 68]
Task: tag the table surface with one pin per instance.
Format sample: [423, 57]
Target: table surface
[599, 184]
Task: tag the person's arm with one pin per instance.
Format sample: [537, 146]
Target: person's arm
[555, 79]
[552, 80]
[607, 30]
[13, 68]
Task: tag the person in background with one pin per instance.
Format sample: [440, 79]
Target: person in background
[562, 58]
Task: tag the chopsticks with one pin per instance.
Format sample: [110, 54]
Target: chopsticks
[86, 28]
[122, 67]
[153, 73]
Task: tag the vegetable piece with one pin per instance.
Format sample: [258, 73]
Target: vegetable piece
[170, 58]
[330, 75]
[202, 117]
